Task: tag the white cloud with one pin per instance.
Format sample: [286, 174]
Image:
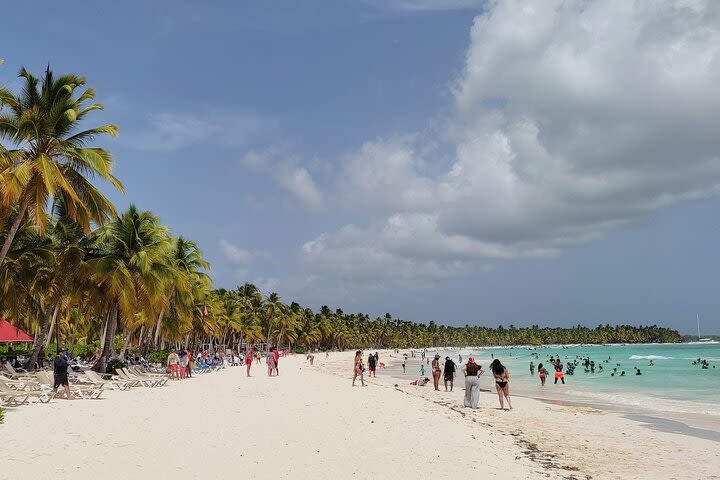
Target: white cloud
[284, 169]
[171, 131]
[235, 254]
[571, 118]
[266, 285]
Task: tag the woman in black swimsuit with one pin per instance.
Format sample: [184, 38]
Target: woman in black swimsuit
[502, 385]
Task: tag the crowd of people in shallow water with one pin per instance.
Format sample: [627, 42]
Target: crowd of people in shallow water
[447, 370]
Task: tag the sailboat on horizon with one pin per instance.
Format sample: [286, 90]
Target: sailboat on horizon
[702, 340]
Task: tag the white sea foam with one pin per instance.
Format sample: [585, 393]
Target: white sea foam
[649, 357]
[650, 402]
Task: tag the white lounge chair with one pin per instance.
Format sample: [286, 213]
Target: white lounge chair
[84, 392]
[114, 383]
[161, 378]
[17, 374]
[14, 396]
[146, 382]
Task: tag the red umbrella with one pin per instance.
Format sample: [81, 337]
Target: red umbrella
[8, 333]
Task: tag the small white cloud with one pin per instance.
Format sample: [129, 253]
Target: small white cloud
[234, 253]
[266, 285]
[171, 131]
[284, 169]
[298, 181]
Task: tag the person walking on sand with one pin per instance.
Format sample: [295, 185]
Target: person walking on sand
[502, 382]
[542, 372]
[358, 368]
[472, 373]
[449, 373]
[436, 371]
[248, 360]
[422, 370]
[60, 374]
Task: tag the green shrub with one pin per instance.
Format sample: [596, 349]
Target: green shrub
[299, 350]
[113, 365]
[83, 350]
[160, 357]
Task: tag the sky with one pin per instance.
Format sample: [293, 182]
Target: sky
[462, 161]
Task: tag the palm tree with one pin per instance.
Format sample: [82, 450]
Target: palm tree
[188, 283]
[48, 157]
[133, 270]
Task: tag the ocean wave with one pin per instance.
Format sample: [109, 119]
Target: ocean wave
[649, 357]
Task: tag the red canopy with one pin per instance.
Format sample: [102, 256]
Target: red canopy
[8, 333]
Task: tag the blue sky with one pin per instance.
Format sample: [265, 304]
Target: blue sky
[448, 160]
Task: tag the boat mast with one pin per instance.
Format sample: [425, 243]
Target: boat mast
[698, 326]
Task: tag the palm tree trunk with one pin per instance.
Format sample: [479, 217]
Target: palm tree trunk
[52, 326]
[14, 228]
[157, 327]
[109, 339]
[40, 335]
[126, 343]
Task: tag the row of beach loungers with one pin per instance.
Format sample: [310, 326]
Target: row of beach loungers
[19, 387]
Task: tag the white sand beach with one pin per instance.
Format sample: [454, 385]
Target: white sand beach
[310, 423]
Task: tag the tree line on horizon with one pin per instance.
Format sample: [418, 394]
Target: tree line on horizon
[74, 269]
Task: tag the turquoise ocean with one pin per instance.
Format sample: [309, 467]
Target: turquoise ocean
[673, 385]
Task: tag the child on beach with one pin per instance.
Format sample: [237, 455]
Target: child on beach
[543, 373]
[422, 370]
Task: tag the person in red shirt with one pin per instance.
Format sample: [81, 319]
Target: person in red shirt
[248, 359]
[277, 357]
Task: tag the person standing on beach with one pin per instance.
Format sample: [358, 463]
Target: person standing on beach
[542, 371]
[472, 373]
[372, 365]
[502, 382]
[358, 368]
[532, 368]
[270, 361]
[248, 360]
[436, 371]
[403, 365]
[173, 362]
[183, 362]
[276, 354]
[60, 374]
[191, 364]
[422, 370]
[449, 373]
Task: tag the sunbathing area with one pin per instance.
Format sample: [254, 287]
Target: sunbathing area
[19, 387]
